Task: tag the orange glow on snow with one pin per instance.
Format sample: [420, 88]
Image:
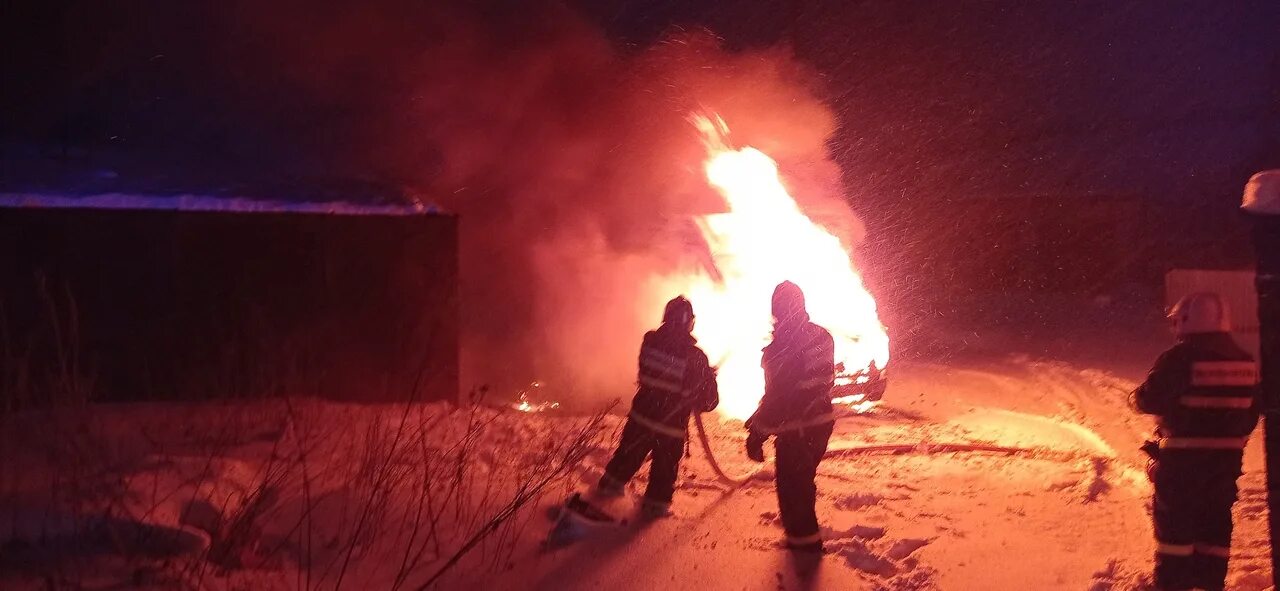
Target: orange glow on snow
[525, 405]
[763, 240]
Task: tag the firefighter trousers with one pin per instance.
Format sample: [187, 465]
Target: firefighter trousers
[1194, 492]
[638, 443]
[798, 454]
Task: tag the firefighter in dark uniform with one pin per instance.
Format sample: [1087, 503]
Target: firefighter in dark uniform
[1203, 392]
[799, 372]
[675, 379]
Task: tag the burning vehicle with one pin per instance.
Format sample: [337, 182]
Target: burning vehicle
[859, 387]
[758, 237]
[761, 239]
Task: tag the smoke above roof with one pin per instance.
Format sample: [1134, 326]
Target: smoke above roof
[571, 161]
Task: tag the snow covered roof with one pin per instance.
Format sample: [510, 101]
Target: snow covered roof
[31, 181]
[188, 202]
[1262, 193]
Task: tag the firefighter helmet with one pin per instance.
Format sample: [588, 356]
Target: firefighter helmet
[1262, 193]
[679, 312]
[788, 301]
[1199, 313]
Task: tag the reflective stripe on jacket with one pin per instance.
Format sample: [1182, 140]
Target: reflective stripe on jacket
[656, 426]
[1236, 443]
[1204, 393]
[799, 372]
[674, 379]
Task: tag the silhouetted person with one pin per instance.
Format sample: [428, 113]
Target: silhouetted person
[799, 372]
[1262, 205]
[675, 379]
[1203, 392]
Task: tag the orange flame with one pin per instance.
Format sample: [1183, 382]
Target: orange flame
[764, 239]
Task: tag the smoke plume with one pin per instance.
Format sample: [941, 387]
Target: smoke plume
[571, 161]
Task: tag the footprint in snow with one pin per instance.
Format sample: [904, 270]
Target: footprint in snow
[866, 558]
[859, 501]
[862, 532]
[904, 548]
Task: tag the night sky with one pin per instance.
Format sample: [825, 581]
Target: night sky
[1164, 98]
[1168, 98]
[1173, 104]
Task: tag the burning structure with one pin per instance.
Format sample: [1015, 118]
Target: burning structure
[141, 297]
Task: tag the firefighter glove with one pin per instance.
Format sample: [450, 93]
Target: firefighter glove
[1152, 449]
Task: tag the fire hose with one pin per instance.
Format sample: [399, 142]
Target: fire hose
[921, 447]
[711, 458]
[890, 448]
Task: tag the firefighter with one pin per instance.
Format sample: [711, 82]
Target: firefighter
[675, 379]
[1203, 392]
[1262, 205]
[799, 372]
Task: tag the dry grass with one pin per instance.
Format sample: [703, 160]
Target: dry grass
[272, 492]
[340, 496]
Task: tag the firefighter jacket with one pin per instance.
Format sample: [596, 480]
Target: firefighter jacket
[799, 372]
[674, 379]
[1204, 393]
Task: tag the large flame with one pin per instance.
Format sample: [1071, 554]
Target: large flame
[763, 240]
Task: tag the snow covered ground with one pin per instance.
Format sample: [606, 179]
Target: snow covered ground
[1069, 515]
[1068, 511]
